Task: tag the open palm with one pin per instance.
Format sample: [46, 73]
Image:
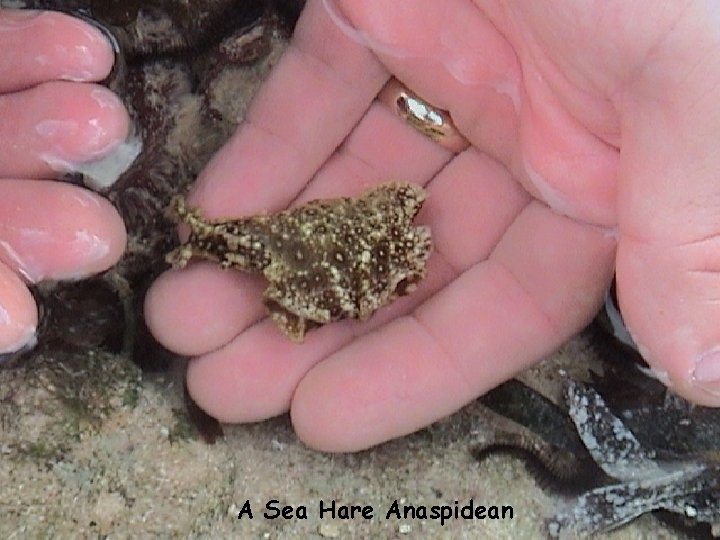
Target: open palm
[575, 113]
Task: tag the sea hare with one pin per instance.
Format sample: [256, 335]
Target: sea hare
[325, 260]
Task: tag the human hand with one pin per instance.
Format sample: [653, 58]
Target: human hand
[590, 126]
[50, 119]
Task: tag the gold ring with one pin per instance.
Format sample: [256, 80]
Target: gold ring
[427, 119]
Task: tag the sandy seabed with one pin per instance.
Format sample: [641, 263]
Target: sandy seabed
[112, 454]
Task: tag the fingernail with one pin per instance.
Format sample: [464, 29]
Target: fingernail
[27, 338]
[69, 140]
[27, 267]
[706, 374]
[77, 75]
[106, 99]
[82, 60]
[90, 247]
[86, 249]
[57, 134]
[102, 173]
[95, 31]
[92, 54]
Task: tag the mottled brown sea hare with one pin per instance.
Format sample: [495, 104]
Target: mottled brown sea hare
[325, 260]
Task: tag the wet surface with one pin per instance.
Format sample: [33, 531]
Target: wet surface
[173, 60]
[75, 407]
[617, 446]
[324, 261]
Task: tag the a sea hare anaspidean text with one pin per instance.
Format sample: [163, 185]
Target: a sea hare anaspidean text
[274, 509]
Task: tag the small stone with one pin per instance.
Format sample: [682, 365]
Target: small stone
[404, 528]
[277, 445]
[329, 530]
[109, 510]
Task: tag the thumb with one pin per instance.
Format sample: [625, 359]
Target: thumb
[668, 261]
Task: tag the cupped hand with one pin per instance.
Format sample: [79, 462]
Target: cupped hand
[591, 128]
[51, 118]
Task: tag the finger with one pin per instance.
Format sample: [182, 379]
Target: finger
[566, 149]
[76, 234]
[57, 124]
[453, 56]
[319, 90]
[376, 151]
[242, 178]
[382, 147]
[18, 314]
[43, 45]
[466, 188]
[669, 249]
[198, 309]
[229, 382]
[224, 385]
[494, 320]
[254, 376]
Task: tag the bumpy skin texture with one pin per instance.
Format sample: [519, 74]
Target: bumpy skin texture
[324, 261]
